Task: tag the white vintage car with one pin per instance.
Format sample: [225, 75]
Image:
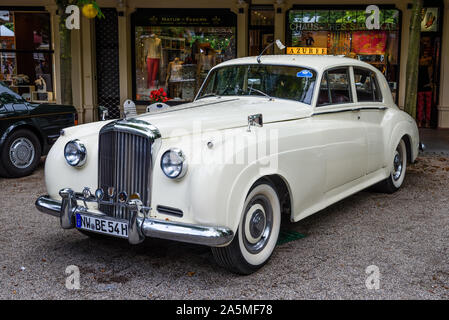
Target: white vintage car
[286, 135]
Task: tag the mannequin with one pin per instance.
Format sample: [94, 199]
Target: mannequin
[174, 72]
[153, 53]
[174, 76]
[205, 63]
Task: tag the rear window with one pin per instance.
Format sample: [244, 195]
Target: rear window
[366, 85]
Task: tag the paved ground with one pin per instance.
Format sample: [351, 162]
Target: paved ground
[406, 235]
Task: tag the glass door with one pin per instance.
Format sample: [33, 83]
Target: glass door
[261, 29]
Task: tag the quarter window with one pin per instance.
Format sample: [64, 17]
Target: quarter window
[335, 87]
[366, 86]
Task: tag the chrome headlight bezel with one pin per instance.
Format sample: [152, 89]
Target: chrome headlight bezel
[78, 153]
[180, 163]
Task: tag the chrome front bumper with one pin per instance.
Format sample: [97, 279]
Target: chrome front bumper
[139, 226]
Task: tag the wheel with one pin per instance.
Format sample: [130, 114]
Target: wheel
[257, 233]
[21, 155]
[398, 169]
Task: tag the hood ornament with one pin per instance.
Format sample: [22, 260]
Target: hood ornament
[255, 120]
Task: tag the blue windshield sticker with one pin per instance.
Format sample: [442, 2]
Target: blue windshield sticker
[304, 74]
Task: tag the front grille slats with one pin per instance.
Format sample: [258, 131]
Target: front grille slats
[125, 164]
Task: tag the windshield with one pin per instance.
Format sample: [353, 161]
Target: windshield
[8, 96]
[285, 82]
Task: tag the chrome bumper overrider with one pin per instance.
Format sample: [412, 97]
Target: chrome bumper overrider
[139, 226]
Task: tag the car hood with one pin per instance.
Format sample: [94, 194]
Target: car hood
[210, 114]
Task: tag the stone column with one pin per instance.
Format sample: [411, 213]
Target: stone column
[242, 28]
[88, 71]
[443, 107]
[280, 8]
[77, 68]
[124, 48]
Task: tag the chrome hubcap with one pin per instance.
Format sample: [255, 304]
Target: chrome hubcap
[258, 223]
[21, 153]
[397, 165]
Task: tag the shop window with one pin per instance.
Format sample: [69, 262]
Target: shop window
[335, 87]
[26, 58]
[344, 32]
[176, 50]
[366, 86]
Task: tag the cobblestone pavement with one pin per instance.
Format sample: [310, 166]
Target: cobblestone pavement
[406, 235]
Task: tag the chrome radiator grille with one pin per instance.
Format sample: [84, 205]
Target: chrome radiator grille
[124, 163]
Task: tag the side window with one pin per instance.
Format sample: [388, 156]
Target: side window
[335, 87]
[323, 97]
[366, 86]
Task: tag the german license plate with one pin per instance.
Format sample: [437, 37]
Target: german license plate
[100, 225]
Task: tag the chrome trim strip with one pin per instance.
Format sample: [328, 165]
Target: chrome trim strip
[140, 227]
[349, 110]
[170, 211]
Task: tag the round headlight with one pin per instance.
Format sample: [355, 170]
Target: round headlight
[75, 153]
[173, 163]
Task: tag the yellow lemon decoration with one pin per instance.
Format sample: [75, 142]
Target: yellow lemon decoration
[89, 11]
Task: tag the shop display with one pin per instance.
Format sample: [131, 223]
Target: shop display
[26, 58]
[344, 32]
[176, 51]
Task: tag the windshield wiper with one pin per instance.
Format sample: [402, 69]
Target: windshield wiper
[261, 92]
[209, 95]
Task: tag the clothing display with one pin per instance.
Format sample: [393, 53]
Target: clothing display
[153, 53]
[152, 69]
[178, 59]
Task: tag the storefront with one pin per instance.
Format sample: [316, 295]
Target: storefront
[341, 30]
[175, 49]
[26, 55]
[144, 45]
[429, 65]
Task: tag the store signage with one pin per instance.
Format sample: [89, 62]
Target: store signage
[205, 18]
[429, 22]
[306, 50]
[370, 22]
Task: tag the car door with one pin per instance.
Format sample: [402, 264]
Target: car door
[372, 111]
[343, 134]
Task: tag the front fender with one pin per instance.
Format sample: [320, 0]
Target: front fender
[214, 189]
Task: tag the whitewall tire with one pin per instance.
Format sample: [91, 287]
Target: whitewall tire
[257, 234]
[398, 167]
